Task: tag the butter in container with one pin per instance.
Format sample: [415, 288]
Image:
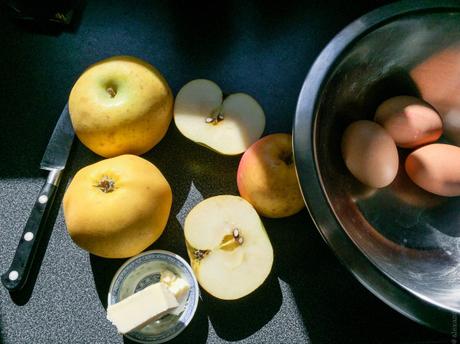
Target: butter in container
[157, 286]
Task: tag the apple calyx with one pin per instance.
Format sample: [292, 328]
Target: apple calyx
[200, 254]
[106, 184]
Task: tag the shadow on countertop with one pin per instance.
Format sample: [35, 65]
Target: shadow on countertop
[334, 306]
[238, 319]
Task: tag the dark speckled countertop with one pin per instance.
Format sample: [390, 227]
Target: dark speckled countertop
[254, 47]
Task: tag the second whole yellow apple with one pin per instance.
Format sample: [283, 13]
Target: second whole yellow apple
[117, 207]
[120, 105]
[267, 179]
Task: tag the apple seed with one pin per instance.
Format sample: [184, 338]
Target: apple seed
[236, 235]
[215, 119]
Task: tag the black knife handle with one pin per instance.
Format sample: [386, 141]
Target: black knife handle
[16, 276]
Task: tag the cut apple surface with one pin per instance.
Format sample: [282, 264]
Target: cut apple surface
[228, 126]
[228, 246]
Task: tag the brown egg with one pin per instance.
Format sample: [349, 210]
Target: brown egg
[411, 122]
[411, 194]
[436, 168]
[438, 80]
[370, 154]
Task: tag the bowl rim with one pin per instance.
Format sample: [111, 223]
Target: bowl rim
[189, 269]
[407, 302]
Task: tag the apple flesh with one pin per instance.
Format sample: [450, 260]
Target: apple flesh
[267, 179]
[228, 126]
[229, 249]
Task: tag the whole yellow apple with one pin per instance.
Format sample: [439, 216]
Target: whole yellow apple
[267, 179]
[117, 207]
[120, 105]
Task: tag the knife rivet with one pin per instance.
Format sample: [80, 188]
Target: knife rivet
[28, 236]
[13, 275]
[42, 199]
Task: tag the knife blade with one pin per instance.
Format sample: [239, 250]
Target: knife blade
[54, 160]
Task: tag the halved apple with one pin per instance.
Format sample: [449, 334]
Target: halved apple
[228, 126]
[229, 249]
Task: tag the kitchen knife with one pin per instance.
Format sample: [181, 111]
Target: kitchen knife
[54, 160]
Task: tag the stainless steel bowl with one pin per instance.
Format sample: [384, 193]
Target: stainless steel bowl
[402, 243]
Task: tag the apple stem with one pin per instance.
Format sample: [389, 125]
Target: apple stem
[111, 92]
[106, 184]
[288, 159]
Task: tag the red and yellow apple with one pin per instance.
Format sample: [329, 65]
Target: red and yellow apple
[120, 105]
[267, 178]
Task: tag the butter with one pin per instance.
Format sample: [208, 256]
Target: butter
[167, 277]
[178, 286]
[175, 284]
[142, 307]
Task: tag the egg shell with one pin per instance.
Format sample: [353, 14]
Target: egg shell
[410, 121]
[408, 192]
[370, 154]
[436, 168]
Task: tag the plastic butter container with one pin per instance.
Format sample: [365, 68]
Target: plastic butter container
[145, 269]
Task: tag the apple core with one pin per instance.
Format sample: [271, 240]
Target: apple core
[216, 117]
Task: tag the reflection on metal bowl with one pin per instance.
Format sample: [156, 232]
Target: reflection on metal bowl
[402, 243]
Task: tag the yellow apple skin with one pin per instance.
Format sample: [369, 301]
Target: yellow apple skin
[125, 221]
[120, 105]
[267, 179]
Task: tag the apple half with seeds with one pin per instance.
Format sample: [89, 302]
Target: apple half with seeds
[229, 249]
[228, 126]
